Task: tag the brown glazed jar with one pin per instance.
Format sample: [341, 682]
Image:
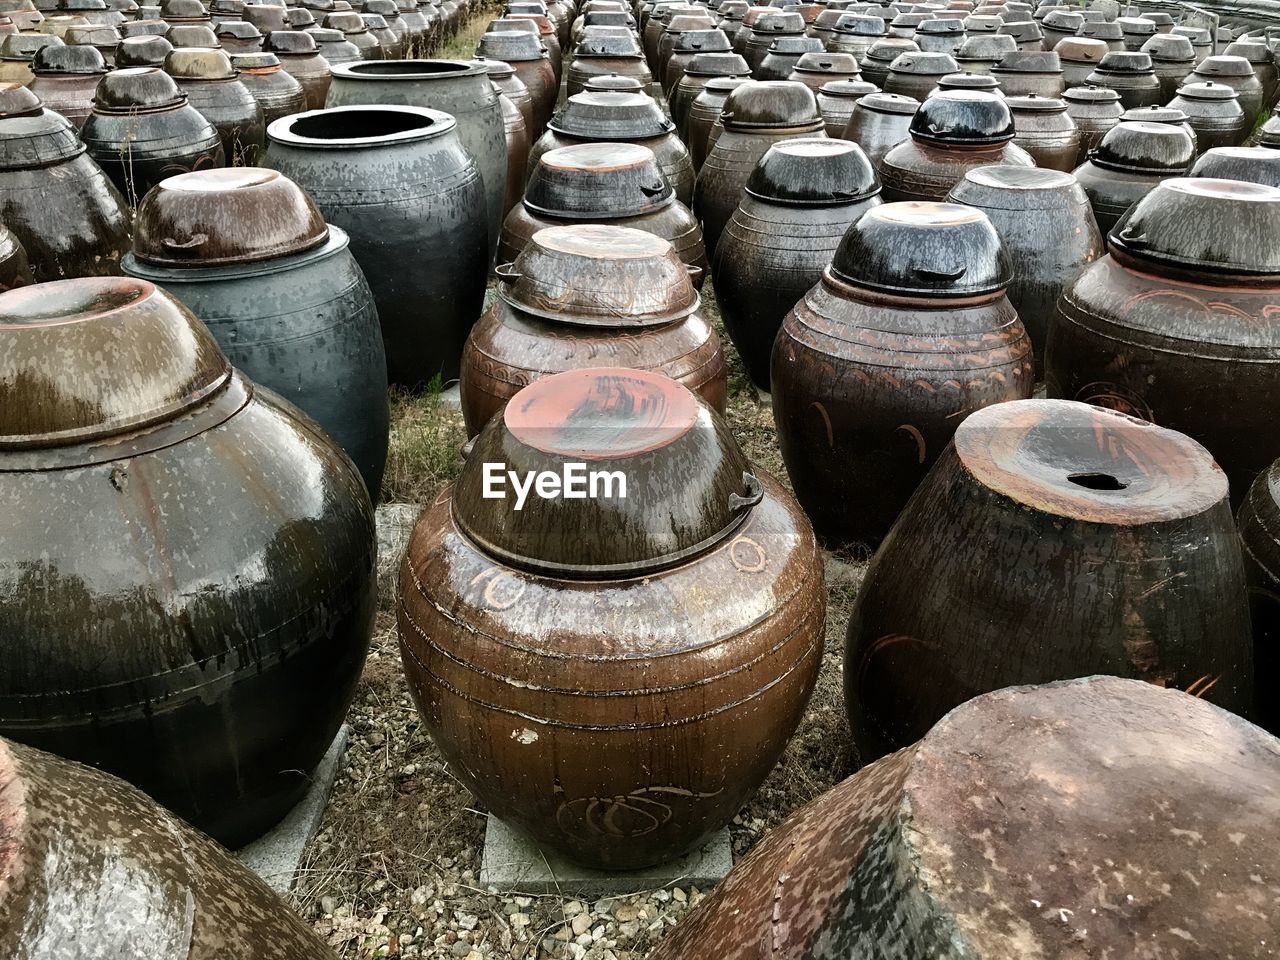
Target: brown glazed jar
[213, 87]
[1130, 74]
[688, 45]
[1214, 112]
[1258, 522]
[81, 229]
[1094, 111]
[1025, 73]
[1237, 73]
[1257, 51]
[1048, 229]
[1252, 164]
[1043, 128]
[1174, 325]
[536, 638]
[908, 331]
[300, 58]
[93, 866]
[278, 92]
[701, 70]
[201, 629]
[756, 116]
[585, 295]
[836, 101]
[1139, 572]
[875, 63]
[1172, 59]
[503, 77]
[704, 113]
[600, 55]
[951, 133]
[615, 183]
[65, 79]
[916, 74]
[802, 197]
[1014, 797]
[816, 70]
[1131, 159]
[879, 122]
[532, 65]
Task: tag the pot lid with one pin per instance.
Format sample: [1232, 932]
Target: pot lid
[770, 104]
[346, 21]
[888, 50]
[611, 116]
[1091, 95]
[923, 249]
[813, 171]
[981, 23]
[698, 41]
[198, 63]
[384, 8]
[598, 275]
[136, 88]
[613, 83]
[1126, 62]
[292, 43]
[499, 69]
[608, 45]
[893, 103]
[1035, 104]
[1252, 164]
[1140, 26]
[238, 30]
[144, 28]
[299, 18]
[716, 65]
[939, 25]
[78, 59]
[1081, 50]
[1199, 36]
[511, 45]
[1208, 90]
[1155, 114]
[195, 35]
[1224, 226]
[24, 46]
[1029, 61]
[850, 89]
[857, 25]
[1224, 66]
[988, 46]
[1098, 30]
[968, 81]
[183, 10]
[1169, 48]
[925, 63]
[1064, 21]
[778, 22]
[963, 117]
[1025, 32]
[54, 388]
[31, 136]
[1268, 134]
[255, 61]
[1004, 187]
[598, 181]
[689, 486]
[99, 34]
[1145, 148]
[910, 19]
[798, 44]
[231, 215]
[1252, 49]
[374, 21]
[324, 35]
[688, 21]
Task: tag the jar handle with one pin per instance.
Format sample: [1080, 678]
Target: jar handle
[694, 271]
[654, 190]
[752, 493]
[1135, 240]
[507, 271]
[197, 240]
[467, 447]
[947, 277]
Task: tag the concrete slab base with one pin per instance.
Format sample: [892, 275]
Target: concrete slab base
[277, 856]
[514, 863]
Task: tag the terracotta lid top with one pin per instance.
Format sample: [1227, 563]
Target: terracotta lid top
[812, 171]
[1088, 463]
[54, 388]
[598, 181]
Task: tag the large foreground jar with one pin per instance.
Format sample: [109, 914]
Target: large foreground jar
[613, 676]
[974, 838]
[93, 867]
[199, 628]
[908, 331]
[1052, 540]
[581, 296]
[1174, 326]
[410, 199]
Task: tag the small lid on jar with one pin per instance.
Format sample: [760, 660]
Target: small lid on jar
[24, 46]
[1145, 148]
[987, 46]
[1169, 48]
[813, 171]
[1081, 50]
[78, 59]
[607, 45]
[888, 50]
[1099, 30]
[1030, 61]
[1252, 164]
[198, 63]
[688, 484]
[136, 88]
[611, 83]
[1155, 114]
[238, 30]
[894, 103]
[1208, 90]
[713, 65]
[291, 43]
[1091, 95]
[984, 82]
[163, 361]
[925, 63]
[770, 104]
[193, 35]
[611, 116]
[183, 10]
[858, 25]
[968, 117]
[598, 181]
[255, 61]
[1221, 226]
[599, 275]
[923, 249]
[847, 89]
[1031, 103]
[1224, 66]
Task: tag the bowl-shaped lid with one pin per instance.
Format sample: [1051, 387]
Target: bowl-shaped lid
[17, 101]
[193, 35]
[765, 104]
[1251, 48]
[1139, 26]
[1035, 104]
[136, 88]
[1224, 66]
[238, 30]
[24, 46]
[963, 117]
[598, 181]
[1081, 50]
[1252, 164]
[68, 59]
[511, 45]
[1208, 90]
[55, 388]
[79, 5]
[347, 21]
[796, 44]
[1199, 36]
[1062, 20]
[923, 249]
[987, 46]
[688, 21]
[702, 41]
[1268, 135]
[183, 10]
[1091, 95]
[717, 65]
[823, 62]
[374, 21]
[858, 25]
[774, 23]
[1221, 226]
[144, 28]
[848, 89]
[260, 60]
[291, 43]
[99, 34]
[497, 68]
[1099, 30]
[598, 275]
[226, 216]
[925, 63]
[597, 44]
[299, 18]
[888, 50]
[1022, 31]
[1126, 62]
[942, 25]
[613, 83]
[32, 137]
[1145, 148]
[1169, 48]
[611, 116]
[198, 63]
[911, 19]
[1004, 187]
[325, 35]
[384, 8]
[813, 171]
[968, 81]
[1029, 61]
[894, 103]
[1155, 114]
[688, 484]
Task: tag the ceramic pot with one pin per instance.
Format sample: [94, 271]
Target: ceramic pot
[669, 41]
[16, 53]
[816, 70]
[579, 296]
[15, 269]
[410, 198]
[701, 70]
[916, 74]
[503, 77]
[334, 46]
[599, 56]
[1171, 326]
[1251, 164]
[980, 54]
[142, 52]
[1237, 73]
[237, 36]
[767, 29]
[248, 639]
[879, 58]
[1094, 111]
[1046, 226]
[783, 55]
[1058, 25]
[182, 895]
[1257, 522]
[142, 130]
[460, 89]
[531, 64]
[65, 78]
[1136, 31]
[1045, 130]
[1172, 59]
[856, 34]
[837, 100]
[940, 35]
[756, 115]
[704, 113]
[213, 87]
[1214, 112]
[1063, 758]
[356, 32]
[81, 229]
[1030, 73]
[799, 201]
[476, 591]
[615, 183]
[300, 57]
[1258, 53]
[1131, 159]
[1172, 115]
[687, 45]
[1130, 74]
[277, 91]
[249, 254]
[1079, 57]
[879, 122]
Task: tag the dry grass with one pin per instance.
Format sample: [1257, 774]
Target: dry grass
[426, 447]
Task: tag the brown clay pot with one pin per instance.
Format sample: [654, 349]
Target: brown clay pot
[517, 137]
[916, 74]
[1214, 112]
[529, 638]
[836, 101]
[879, 122]
[816, 70]
[1043, 128]
[908, 330]
[1130, 74]
[65, 78]
[532, 66]
[704, 113]
[300, 58]
[213, 87]
[1011, 800]
[581, 296]
[277, 91]
[1030, 73]
[1094, 111]
[599, 56]
[1235, 72]
[1172, 325]
[1131, 159]
[701, 70]
[1172, 59]
[875, 63]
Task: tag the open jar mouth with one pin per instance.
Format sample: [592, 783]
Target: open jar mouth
[405, 70]
[360, 126]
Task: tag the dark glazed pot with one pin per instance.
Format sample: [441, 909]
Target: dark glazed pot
[277, 92]
[142, 52]
[601, 55]
[801, 198]
[142, 130]
[1251, 164]
[756, 116]
[916, 74]
[1258, 522]
[856, 34]
[81, 229]
[334, 46]
[783, 55]
[515, 604]
[208, 662]
[462, 90]
[1172, 59]
[213, 87]
[879, 122]
[15, 270]
[951, 134]
[1173, 325]
[1258, 52]
[1130, 74]
[531, 64]
[1064, 760]
[585, 295]
[704, 113]
[837, 100]
[1094, 111]
[1043, 128]
[65, 78]
[156, 883]
[908, 330]
[816, 70]
[503, 77]
[1234, 72]
[1214, 112]
[300, 58]
[399, 182]
[1130, 528]
[1030, 73]
[702, 70]
[875, 63]
[1131, 159]
[249, 254]
[1047, 227]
